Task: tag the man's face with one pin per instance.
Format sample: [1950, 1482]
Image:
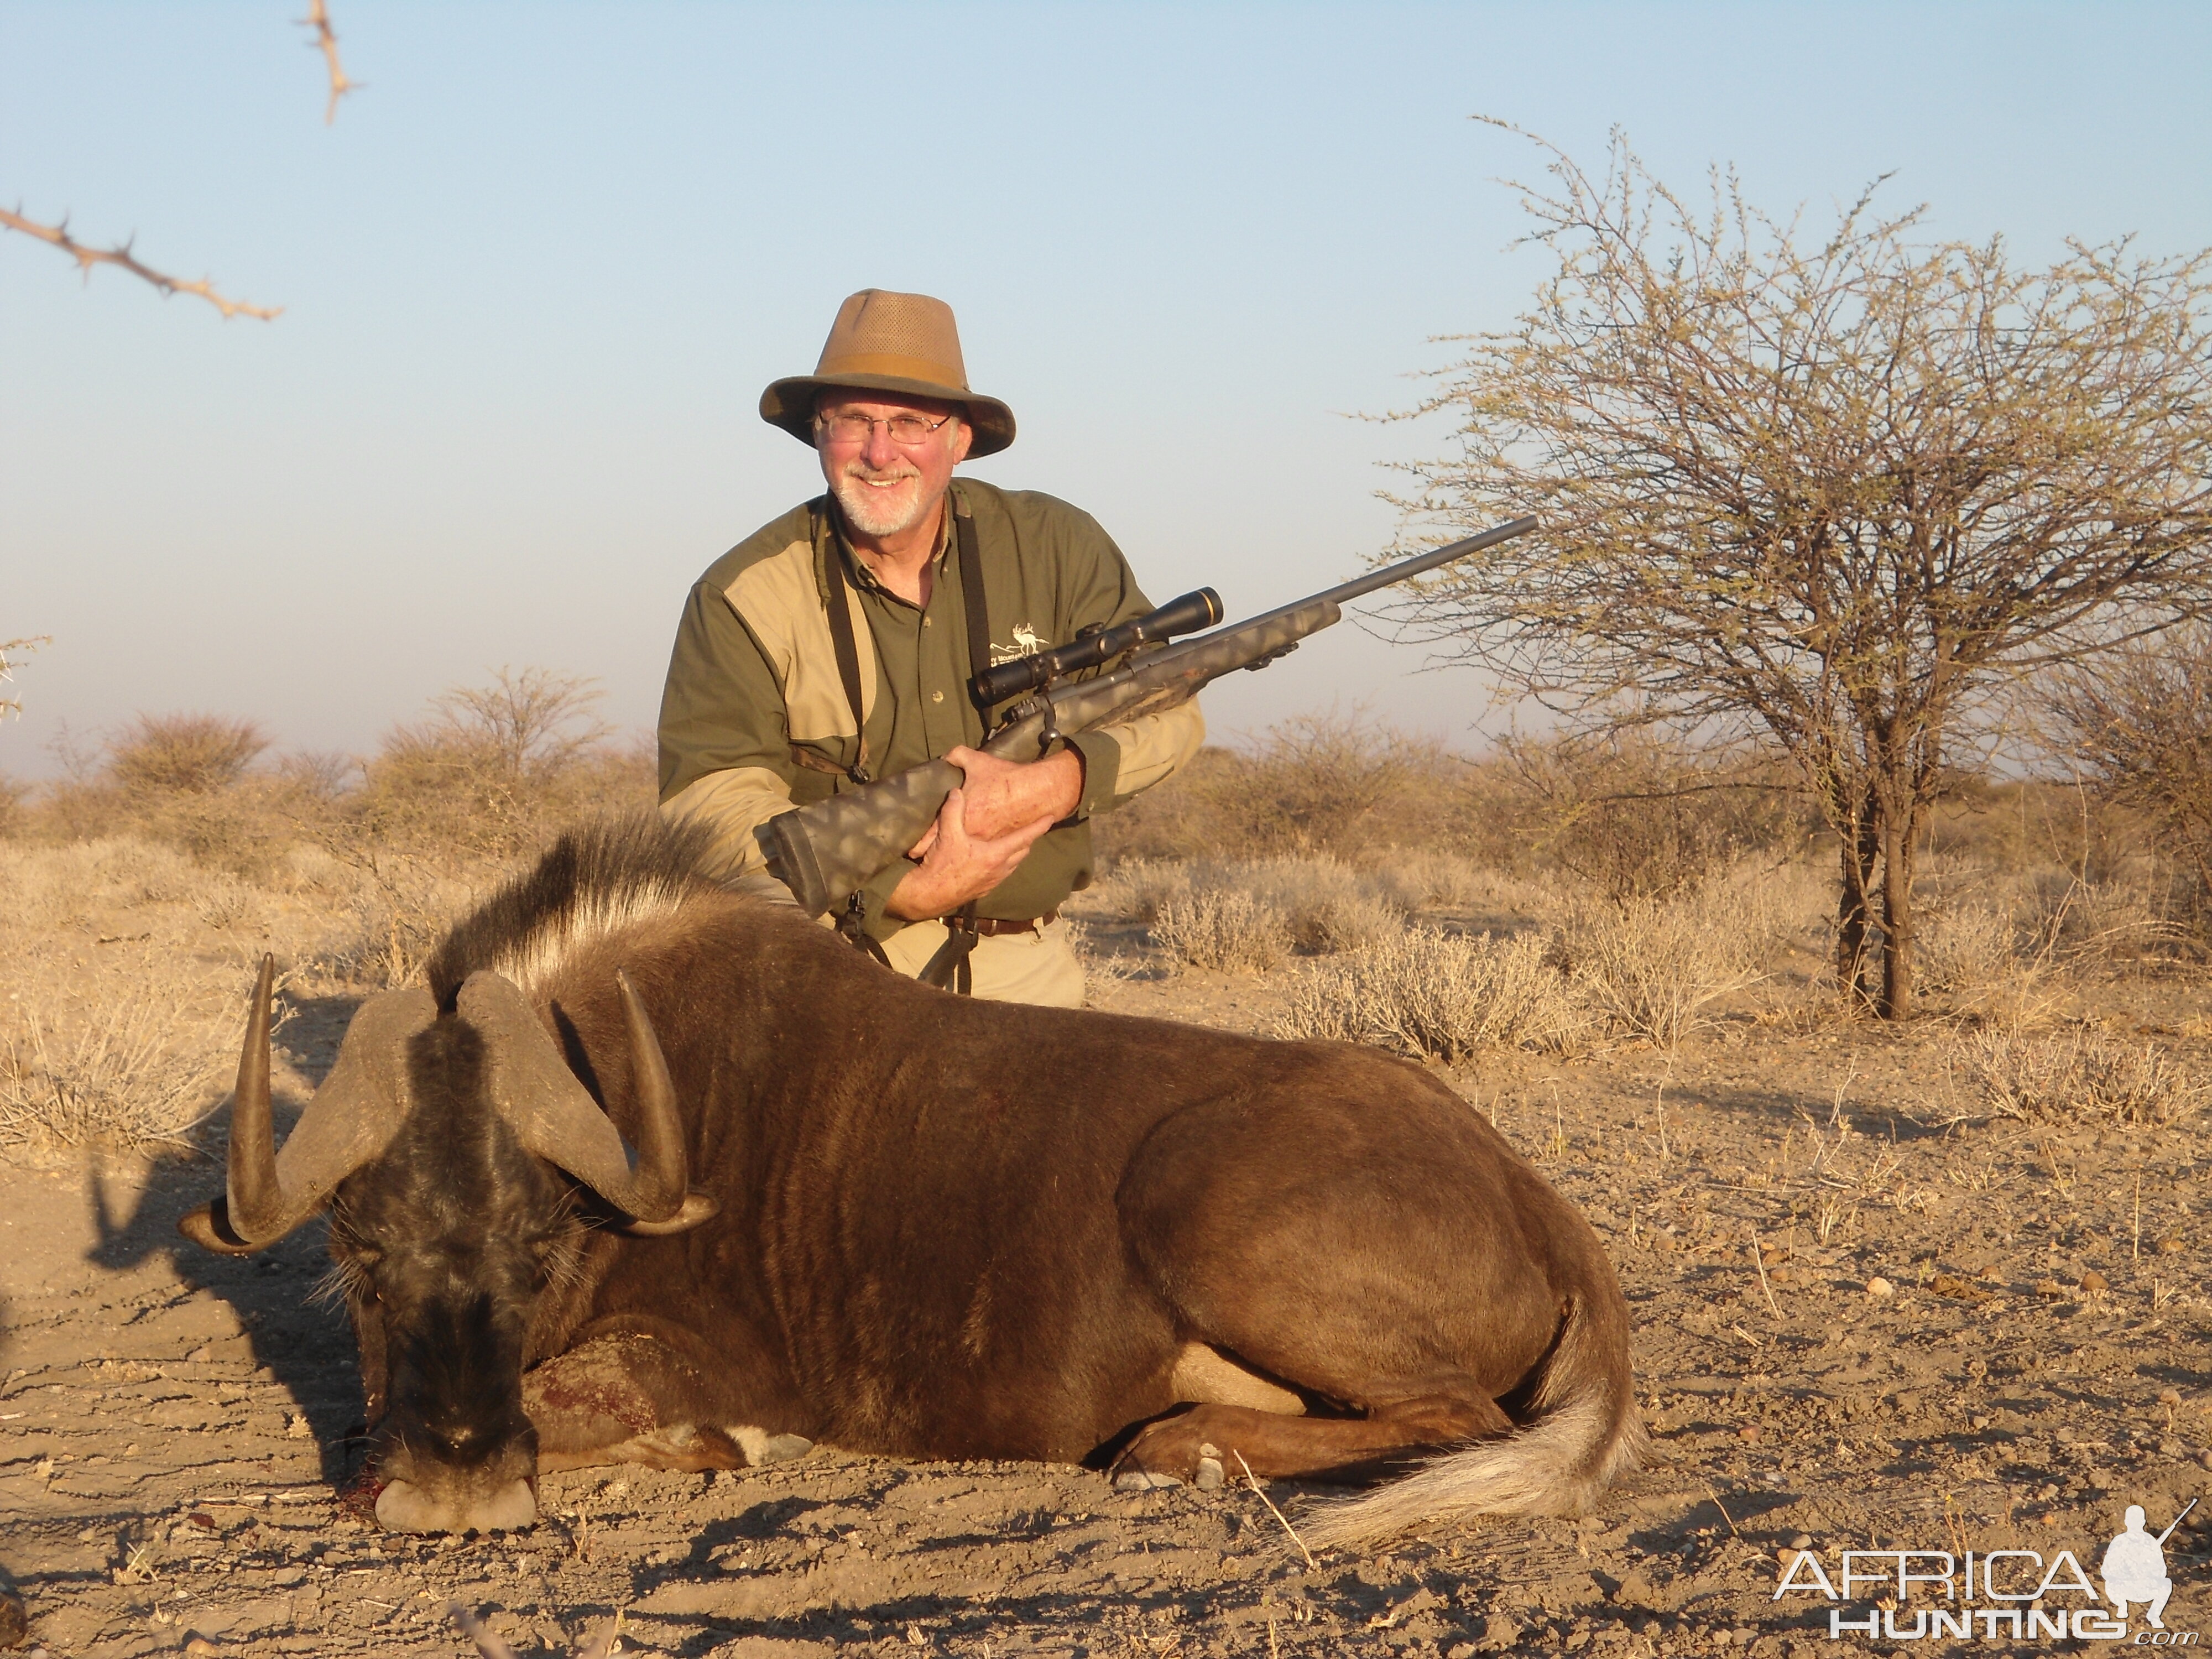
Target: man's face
[887, 487]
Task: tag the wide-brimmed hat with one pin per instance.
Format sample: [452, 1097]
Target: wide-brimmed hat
[886, 342]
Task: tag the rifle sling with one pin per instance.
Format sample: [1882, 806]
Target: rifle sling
[848, 657]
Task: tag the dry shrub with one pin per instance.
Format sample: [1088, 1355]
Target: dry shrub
[1639, 816]
[1314, 905]
[1425, 878]
[397, 907]
[1326, 905]
[1320, 784]
[1443, 996]
[1964, 948]
[127, 1072]
[2139, 721]
[1651, 966]
[1222, 927]
[494, 768]
[2020, 1073]
[183, 754]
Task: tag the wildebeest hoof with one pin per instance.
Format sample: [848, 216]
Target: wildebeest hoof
[1134, 1480]
[1211, 1476]
[761, 1446]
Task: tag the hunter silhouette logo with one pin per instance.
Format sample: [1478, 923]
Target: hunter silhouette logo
[2134, 1568]
[2000, 1595]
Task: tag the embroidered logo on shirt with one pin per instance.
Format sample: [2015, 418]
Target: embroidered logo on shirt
[1027, 640]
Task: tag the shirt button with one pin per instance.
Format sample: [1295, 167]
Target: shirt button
[924, 621]
[936, 696]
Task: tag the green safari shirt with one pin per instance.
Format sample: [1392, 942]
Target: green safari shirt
[755, 720]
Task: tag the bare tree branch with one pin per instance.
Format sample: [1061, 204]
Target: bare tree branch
[21, 648]
[123, 259]
[327, 42]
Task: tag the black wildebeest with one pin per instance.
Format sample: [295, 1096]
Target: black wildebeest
[863, 1211]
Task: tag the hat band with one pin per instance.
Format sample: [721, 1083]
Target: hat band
[893, 367]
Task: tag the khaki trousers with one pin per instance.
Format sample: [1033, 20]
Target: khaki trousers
[1008, 967]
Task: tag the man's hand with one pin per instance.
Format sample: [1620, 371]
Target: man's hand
[957, 865]
[1003, 796]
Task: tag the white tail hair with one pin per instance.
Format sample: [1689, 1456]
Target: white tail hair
[1585, 1435]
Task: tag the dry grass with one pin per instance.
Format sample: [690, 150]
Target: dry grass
[118, 1071]
[1435, 995]
[2016, 1071]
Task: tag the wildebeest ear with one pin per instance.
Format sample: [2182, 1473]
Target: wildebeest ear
[697, 1207]
[209, 1227]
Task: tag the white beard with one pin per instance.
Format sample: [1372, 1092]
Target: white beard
[877, 512]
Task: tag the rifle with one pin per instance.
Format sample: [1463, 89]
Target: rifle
[826, 852]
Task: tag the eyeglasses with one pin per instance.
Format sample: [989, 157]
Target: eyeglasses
[853, 429]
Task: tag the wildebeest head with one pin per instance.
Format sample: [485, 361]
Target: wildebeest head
[449, 1144]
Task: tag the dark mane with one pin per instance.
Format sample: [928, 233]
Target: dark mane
[595, 876]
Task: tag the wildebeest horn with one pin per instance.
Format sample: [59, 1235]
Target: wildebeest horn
[351, 1119]
[555, 1116]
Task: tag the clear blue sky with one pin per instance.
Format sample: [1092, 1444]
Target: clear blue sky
[539, 270]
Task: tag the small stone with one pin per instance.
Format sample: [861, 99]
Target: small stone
[1880, 1288]
[2205, 1457]
[782, 1448]
[200, 1356]
[1977, 1421]
[201, 1645]
[1210, 1477]
[1748, 1431]
[15, 1621]
[2169, 1396]
[2092, 1282]
[1803, 1541]
[2170, 1247]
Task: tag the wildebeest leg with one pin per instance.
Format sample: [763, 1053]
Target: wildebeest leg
[630, 1395]
[1273, 1444]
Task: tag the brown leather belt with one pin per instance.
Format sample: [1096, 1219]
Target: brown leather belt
[990, 928]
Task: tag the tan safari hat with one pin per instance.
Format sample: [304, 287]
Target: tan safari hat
[886, 342]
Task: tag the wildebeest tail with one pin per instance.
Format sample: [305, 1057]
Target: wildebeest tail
[1582, 1434]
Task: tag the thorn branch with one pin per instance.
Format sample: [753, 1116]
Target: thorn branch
[122, 258]
[327, 42]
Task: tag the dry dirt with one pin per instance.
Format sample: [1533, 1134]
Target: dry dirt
[172, 1426]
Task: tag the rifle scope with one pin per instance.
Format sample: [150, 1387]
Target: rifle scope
[1041, 668]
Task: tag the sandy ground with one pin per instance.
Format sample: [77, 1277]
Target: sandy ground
[2035, 1353]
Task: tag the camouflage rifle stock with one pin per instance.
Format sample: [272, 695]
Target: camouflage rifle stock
[826, 852]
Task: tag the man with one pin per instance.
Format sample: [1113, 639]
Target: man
[836, 644]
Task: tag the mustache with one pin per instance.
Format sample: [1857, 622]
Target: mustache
[857, 468]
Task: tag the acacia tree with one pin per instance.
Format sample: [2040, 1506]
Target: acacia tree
[1826, 493]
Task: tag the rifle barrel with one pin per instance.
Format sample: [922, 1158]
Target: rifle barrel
[1360, 587]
